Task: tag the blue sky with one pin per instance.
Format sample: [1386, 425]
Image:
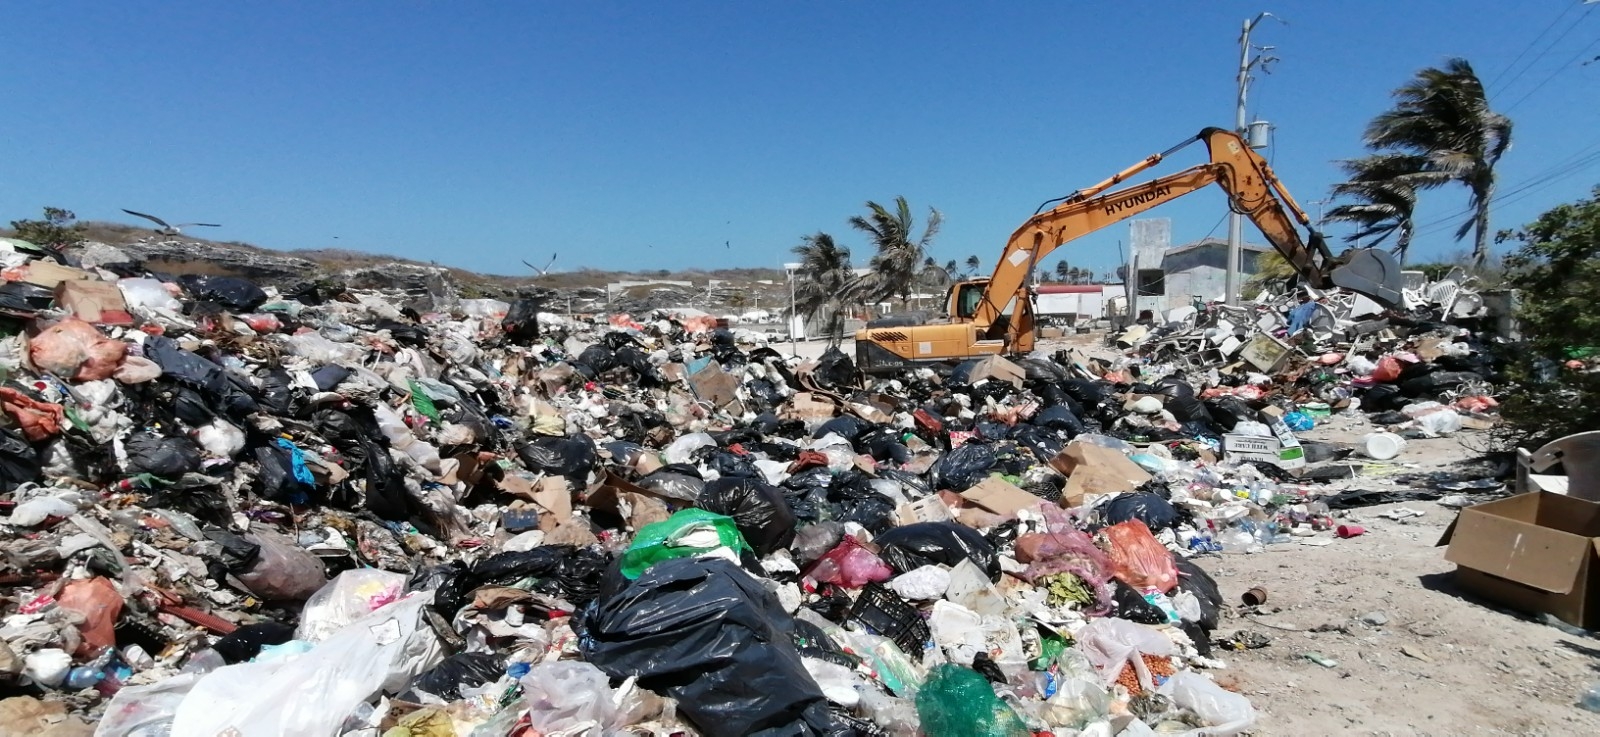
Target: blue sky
[649, 135]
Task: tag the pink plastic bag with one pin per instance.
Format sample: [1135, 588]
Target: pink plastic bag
[1065, 549]
[74, 349]
[850, 565]
[100, 604]
[1388, 370]
[1138, 560]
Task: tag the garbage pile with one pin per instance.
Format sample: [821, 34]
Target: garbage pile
[321, 511]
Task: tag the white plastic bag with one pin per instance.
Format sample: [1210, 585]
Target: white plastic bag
[1226, 713]
[682, 450]
[137, 711]
[1442, 422]
[1111, 644]
[312, 694]
[149, 295]
[569, 697]
[921, 584]
[353, 595]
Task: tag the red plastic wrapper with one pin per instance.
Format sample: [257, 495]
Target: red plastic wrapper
[1388, 370]
[1138, 560]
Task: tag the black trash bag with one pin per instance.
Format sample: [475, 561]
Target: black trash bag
[238, 295]
[1040, 442]
[1059, 418]
[853, 500]
[1187, 408]
[989, 431]
[1434, 384]
[599, 358]
[1132, 606]
[471, 670]
[277, 478]
[1194, 579]
[22, 298]
[675, 484]
[245, 643]
[415, 336]
[712, 637]
[1037, 369]
[580, 574]
[1228, 411]
[961, 375]
[916, 485]
[454, 589]
[188, 405]
[727, 462]
[964, 467]
[848, 427]
[835, 369]
[521, 322]
[573, 456]
[19, 462]
[226, 392]
[1382, 397]
[328, 377]
[913, 546]
[1088, 393]
[277, 391]
[883, 444]
[1155, 512]
[157, 455]
[503, 569]
[238, 554]
[758, 510]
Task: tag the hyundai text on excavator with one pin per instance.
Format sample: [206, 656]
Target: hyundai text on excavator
[996, 315]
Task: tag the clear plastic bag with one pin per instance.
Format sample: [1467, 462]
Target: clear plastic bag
[352, 595]
[1226, 713]
[568, 697]
[141, 711]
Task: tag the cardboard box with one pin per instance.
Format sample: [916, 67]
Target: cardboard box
[96, 302]
[48, 274]
[1256, 448]
[1093, 469]
[1266, 353]
[1000, 496]
[1532, 552]
[998, 369]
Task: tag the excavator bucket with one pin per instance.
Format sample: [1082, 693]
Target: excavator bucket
[1370, 272]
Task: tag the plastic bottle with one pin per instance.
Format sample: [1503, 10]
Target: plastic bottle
[1590, 699]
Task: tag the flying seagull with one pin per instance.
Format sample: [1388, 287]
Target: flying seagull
[170, 229]
[543, 271]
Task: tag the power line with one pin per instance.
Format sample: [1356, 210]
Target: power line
[1546, 49]
[1558, 70]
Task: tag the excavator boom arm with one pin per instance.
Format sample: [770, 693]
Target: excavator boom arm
[1253, 190]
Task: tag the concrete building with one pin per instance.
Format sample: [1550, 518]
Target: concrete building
[1194, 269]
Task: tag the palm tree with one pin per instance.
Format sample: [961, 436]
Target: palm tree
[1383, 188]
[1063, 270]
[825, 283]
[897, 258]
[972, 264]
[1443, 117]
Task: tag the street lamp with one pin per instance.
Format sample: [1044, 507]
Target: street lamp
[791, 269]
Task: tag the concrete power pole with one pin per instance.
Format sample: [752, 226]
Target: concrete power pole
[1235, 220]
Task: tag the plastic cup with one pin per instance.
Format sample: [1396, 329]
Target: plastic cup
[1348, 531]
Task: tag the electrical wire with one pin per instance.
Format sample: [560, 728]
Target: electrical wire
[1568, 64]
[1546, 50]
[1535, 42]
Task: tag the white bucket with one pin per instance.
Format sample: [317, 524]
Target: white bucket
[1383, 446]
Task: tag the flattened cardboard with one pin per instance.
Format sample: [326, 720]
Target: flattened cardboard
[48, 274]
[1092, 469]
[1532, 552]
[1000, 496]
[714, 385]
[999, 369]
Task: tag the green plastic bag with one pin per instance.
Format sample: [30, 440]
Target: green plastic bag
[668, 539]
[958, 702]
[422, 402]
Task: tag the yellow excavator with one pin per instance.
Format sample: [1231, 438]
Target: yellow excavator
[995, 315]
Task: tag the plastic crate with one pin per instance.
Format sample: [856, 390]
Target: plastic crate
[884, 613]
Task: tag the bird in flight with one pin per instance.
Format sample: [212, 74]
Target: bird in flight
[546, 268]
[170, 229]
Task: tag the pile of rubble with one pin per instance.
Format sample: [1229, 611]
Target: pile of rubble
[235, 510]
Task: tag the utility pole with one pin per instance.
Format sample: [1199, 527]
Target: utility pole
[1235, 220]
[1319, 204]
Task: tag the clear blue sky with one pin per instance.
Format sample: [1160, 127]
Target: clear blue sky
[647, 135]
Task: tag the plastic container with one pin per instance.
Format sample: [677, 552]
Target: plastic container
[1382, 446]
[1589, 700]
